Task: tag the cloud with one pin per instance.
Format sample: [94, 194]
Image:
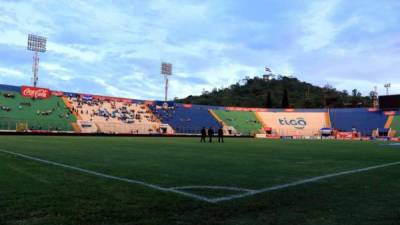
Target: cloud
[13, 38]
[53, 67]
[57, 71]
[116, 47]
[360, 84]
[7, 72]
[318, 27]
[75, 53]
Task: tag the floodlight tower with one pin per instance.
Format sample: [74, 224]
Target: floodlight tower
[375, 101]
[166, 70]
[36, 44]
[387, 86]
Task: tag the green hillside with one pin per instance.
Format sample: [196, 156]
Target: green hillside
[254, 93]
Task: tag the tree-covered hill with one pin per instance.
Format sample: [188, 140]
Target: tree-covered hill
[257, 92]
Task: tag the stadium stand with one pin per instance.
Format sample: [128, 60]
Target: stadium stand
[244, 123]
[363, 120]
[395, 125]
[107, 116]
[185, 118]
[295, 123]
[58, 111]
[33, 114]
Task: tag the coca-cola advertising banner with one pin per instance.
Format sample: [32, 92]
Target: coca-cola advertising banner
[34, 92]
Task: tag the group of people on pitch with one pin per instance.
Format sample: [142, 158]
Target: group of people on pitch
[210, 133]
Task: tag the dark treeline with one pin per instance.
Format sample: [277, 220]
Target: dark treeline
[282, 92]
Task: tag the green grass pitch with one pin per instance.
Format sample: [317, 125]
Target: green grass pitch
[33, 192]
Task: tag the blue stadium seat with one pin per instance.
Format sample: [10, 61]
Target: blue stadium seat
[360, 118]
[187, 119]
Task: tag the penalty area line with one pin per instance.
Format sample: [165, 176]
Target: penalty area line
[212, 187]
[300, 182]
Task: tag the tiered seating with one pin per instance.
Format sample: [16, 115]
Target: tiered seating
[246, 123]
[120, 115]
[39, 114]
[396, 125]
[186, 118]
[361, 119]
[115, 117]
[294, 123]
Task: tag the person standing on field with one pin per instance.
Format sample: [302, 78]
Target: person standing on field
[210, 134]
[220, 135]
[203, 135]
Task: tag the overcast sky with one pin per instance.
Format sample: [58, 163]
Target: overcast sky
[115, 47]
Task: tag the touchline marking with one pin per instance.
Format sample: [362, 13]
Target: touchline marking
[177, 190]
[156, 187]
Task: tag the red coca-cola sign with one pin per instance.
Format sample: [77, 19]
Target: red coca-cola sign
[34, 92]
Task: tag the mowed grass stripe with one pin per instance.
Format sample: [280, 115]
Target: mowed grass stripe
[177, 190]
[169, 162]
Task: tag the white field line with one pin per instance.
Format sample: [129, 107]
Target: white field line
[176, 190]
[212, 187]
[300, 182]
[131, 181]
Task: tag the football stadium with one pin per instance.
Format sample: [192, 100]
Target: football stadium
[229, 156]
[89, 159]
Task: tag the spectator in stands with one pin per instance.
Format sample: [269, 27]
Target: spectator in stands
[5, 108]
[203, 135]
[220, 135]
[210, 134]
[9, 95]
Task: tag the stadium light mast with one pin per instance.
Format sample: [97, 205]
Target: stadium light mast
[36, 44]
[387, 86]
[375, 101]
[166, 70]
